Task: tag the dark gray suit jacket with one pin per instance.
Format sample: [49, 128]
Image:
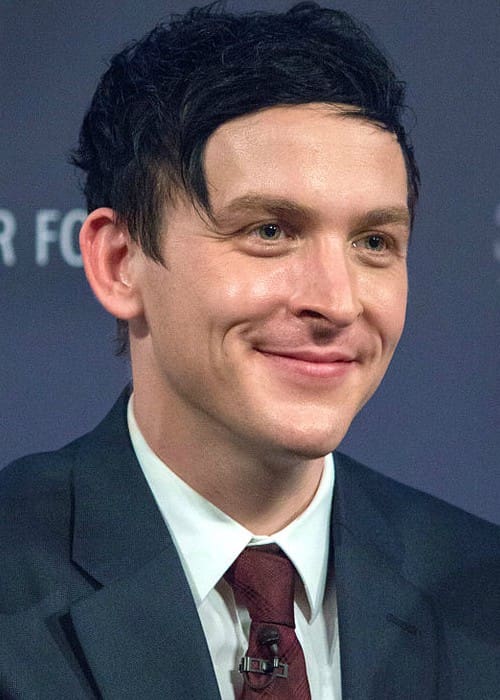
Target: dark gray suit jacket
[94, 602]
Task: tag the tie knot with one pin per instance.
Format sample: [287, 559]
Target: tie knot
[263, 580]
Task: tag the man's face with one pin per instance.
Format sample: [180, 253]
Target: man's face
[271, 327]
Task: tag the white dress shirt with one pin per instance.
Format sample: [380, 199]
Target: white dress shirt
[208, 541]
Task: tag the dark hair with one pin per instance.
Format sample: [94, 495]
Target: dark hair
[143, 138]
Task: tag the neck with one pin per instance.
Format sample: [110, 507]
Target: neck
[261, 489]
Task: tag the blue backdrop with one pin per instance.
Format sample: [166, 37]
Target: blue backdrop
[435, 421]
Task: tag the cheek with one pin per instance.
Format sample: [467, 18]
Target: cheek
[241, 290]
[385, 307]
[392, 316]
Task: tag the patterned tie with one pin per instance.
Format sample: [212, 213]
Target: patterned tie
[263, 581]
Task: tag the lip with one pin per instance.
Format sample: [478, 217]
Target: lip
[323, 357]
[310, 363]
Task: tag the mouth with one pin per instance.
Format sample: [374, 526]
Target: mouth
[310, 363]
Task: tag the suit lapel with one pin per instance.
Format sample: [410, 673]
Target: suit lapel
[387, 629]
[139, 631]
[142, 638]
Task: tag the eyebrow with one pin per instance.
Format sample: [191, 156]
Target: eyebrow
[279, 206]
[385, 215]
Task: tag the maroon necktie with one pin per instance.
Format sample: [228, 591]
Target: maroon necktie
[263, 581]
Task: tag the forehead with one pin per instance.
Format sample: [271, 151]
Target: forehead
[313, 153]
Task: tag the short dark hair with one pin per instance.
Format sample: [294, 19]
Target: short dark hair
[143, 137]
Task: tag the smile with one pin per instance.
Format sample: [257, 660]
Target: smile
[309, 364]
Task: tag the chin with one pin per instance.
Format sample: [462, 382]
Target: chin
[310, 444]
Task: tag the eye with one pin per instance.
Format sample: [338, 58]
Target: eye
[373, 243]
[269, 232]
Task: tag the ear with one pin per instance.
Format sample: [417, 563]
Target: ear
[108, 255]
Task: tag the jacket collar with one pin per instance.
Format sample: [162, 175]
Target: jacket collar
[117, 526]
[387, 625]
[142, 615]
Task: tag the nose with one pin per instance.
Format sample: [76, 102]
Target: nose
[326, 285]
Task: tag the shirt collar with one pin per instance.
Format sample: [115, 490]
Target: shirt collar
[199, 528]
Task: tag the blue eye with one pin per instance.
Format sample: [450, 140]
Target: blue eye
[375, 243]
[269, 232]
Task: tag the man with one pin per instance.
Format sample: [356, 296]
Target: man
[251, 190]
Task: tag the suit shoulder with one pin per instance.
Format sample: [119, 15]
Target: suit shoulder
[35, 527]
[45, 472]
[451, 556]
[35, 474]
[421, 519]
